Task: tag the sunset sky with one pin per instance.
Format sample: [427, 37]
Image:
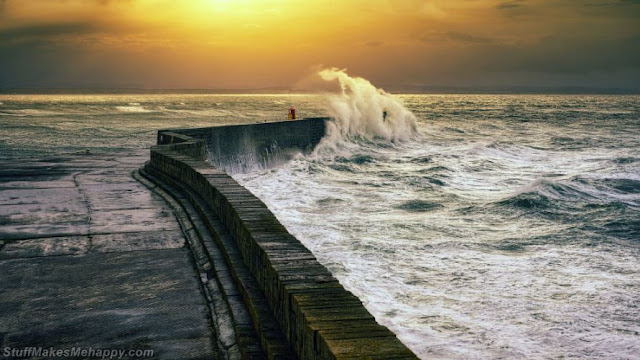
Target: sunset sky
[249, 44]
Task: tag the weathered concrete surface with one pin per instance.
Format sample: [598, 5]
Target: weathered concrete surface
[90, 257]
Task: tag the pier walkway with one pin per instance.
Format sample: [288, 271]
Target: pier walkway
[89, 257]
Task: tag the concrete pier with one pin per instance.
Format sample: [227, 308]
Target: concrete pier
[174, 257]
[296, 308]
[89, 257]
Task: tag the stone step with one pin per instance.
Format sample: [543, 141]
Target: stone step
[257, 333]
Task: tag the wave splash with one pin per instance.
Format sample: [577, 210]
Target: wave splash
[362, 110]
[365, 119]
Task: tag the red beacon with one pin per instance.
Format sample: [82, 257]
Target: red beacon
[292, 113]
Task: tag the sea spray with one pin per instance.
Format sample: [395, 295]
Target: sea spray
[362, 110]
[365, 118]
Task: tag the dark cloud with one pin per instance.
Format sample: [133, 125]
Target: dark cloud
[34, 62]
[50, 64]
[613, 3]
[510, 5]
[456, 37]
[44, 32]
[561, 54]
[468, 38]
[50, 54]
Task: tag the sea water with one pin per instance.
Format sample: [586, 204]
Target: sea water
[473, 226]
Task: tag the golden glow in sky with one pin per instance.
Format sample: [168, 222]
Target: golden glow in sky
[253, 43]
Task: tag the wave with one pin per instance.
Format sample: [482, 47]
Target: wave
[365, 121]
[626, 160]
[341, 167]
[363, 111]
[577, 193]
[133, 109]
[439, 169]
[625, 186]
[329, 201]
[627, 229]
[418, 206]
[542, 192]
[30, 112]
[511, 151]
[205, 112]
[358, 159]
[422, 159]
[529, 201]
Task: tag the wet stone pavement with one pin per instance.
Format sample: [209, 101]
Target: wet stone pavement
[89, 257]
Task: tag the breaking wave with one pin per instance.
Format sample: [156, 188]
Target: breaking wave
[133, 108]
[361, 110]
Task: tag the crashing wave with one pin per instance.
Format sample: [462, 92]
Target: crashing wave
[362, 110]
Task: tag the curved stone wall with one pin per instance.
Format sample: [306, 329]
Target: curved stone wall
[318, 317]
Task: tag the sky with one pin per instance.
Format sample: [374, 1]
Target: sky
[254, 44]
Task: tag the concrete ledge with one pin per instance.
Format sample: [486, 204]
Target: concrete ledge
[316, 315]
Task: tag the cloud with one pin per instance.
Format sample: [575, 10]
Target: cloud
[510, 5]
[457, 37]
[561, 54]
[44, 31]
[468, 38]
[73, 32]
[618, 3]
[374, 43]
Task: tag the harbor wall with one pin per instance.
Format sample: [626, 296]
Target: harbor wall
[239, 148]
[319, 318]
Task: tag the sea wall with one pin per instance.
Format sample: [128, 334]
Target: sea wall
[316, 315]
[238, 148]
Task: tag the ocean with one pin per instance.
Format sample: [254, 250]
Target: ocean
[473, 226]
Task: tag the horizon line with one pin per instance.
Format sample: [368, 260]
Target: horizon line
[409, 90]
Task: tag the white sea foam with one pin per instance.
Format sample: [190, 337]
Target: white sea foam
[203, 112]
[31, 112]
[361, 109]
[133, 108]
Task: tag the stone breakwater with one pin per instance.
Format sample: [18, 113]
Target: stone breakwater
[281, 301]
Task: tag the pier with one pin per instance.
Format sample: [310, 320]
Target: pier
[174, 256]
